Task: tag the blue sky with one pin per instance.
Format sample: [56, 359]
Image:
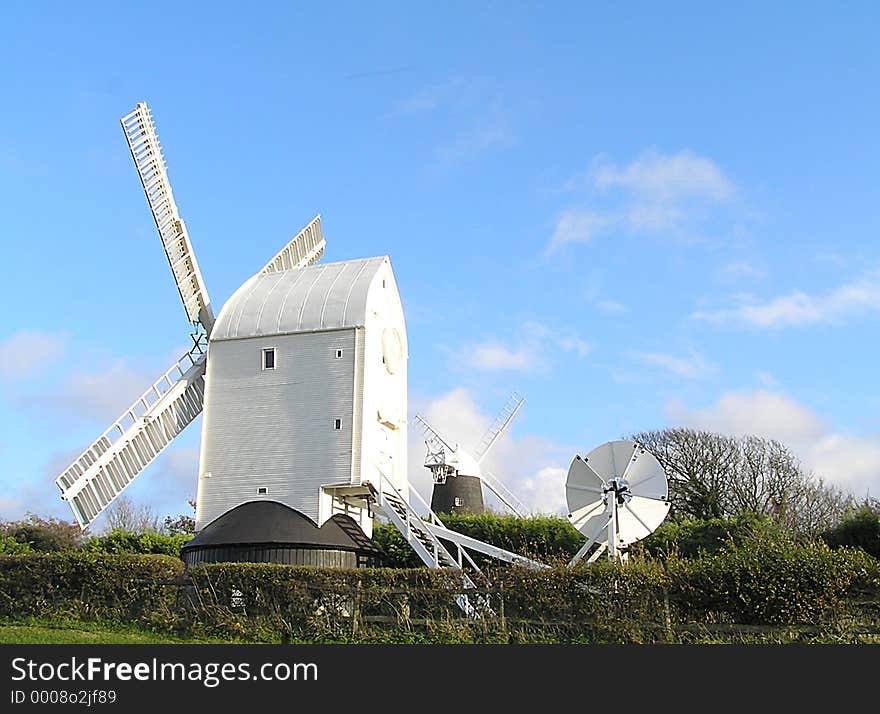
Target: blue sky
[638, 216]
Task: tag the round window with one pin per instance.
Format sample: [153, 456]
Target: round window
[392, 349]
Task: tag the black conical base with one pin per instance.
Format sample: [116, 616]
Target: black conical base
[460, 494]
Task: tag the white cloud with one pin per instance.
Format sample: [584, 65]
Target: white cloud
[655, 193]
[532, 351]
[495, 356]
[104, 394]
[611, 306]
[99, 395]
[544, 491]
[763, 412]
[663, 178]
[488, 132]
[533, 468]
[799, 308]
[475, 116]
[742, 269]
[579, 226]
[423, 101]
[580, 347]
[28, 351]
[694, 365]
[846, 460]
[768, 380]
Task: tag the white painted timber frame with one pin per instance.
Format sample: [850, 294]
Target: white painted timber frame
[140, 133]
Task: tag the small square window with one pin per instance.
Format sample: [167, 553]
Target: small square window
[457, 501]
[269, 358]
[337, 424]
[338, 354]
[262, 490]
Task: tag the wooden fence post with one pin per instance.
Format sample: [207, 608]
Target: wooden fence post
[667, 615]
[356, 609]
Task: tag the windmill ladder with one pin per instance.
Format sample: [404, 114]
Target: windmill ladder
[424, 534]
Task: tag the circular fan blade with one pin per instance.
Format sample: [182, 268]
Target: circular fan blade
[645, 476]
[583, 486]
[620, 470]
[582, 517]
[611, 459]
[640, 517]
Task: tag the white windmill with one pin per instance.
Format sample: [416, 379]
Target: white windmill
[458, 473]
[302, 379]
[616, 496]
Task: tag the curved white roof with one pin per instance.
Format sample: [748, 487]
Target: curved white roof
[321, 297]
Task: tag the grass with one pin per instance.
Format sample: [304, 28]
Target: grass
[77, 632]
[88, 633]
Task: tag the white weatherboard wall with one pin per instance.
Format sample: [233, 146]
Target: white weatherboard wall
[274, 429]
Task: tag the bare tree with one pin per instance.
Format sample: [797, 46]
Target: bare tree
[819, 507]
[698, 465]
[182, 524]
[713, 475]
[124, 515]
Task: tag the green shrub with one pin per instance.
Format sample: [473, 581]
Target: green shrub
[765, 580]
[10, 546]
[693, 538]
[137, 543]
[118, 588]
[861, 529]
[770, 581]
[43, 534]
[548, 539]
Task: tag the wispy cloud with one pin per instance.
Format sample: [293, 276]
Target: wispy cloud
[849, 460]
[489, 130]
[423, 101]
[577, 225]
[767, 379]
[664, 178]
[692, 366]
[799, 308]
[495, 356]
[655, 193]
[28, 351]
[529, 351]
[742, 269]
[95, 395]
[611, 306]
[580, 347]
[474, 120]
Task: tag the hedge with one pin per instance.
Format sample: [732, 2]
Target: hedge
[774, 581]
[552, 540]
[141, 543]
[861, 529]
[548, 539]
[114, 588]
[767, 583]
[692, 538]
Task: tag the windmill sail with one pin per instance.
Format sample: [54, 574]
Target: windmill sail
[140, 133]
[499, 426]
[505, 495]
[135, 439]
[304, 249]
